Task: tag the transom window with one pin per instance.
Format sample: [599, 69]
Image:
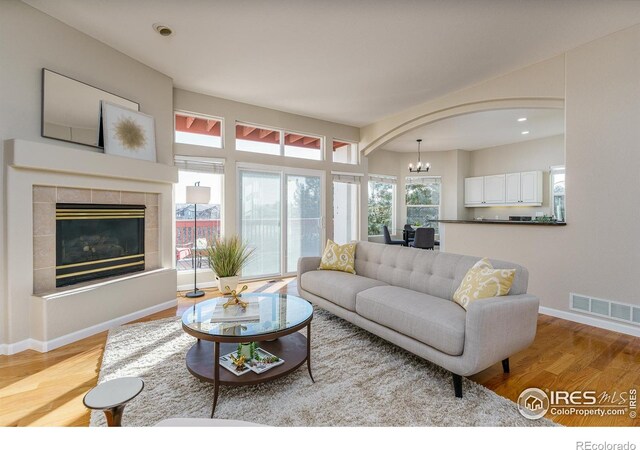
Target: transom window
[345, 152]
[198, 130]
[270, 141]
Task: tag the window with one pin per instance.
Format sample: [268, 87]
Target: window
[269, 141]
[303, 146]
[557, 176]
[280, 214]
[345, 208]
[382, 199]
[250, 138]
[423, 201]
[191, 245]
[198, 130]
[345, 152]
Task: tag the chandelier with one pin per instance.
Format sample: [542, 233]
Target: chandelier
[419, 167]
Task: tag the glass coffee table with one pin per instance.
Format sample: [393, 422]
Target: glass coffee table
[273, 324]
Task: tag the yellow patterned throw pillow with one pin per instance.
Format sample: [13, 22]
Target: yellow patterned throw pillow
[483, 281]
[339, 257]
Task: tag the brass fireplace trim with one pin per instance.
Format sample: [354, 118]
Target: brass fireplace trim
[100, 261]
[92, 214]
[103, 269]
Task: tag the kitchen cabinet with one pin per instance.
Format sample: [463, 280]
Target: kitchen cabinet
[511, 189]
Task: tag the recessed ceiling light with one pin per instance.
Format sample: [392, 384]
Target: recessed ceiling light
[522, 119]
[162, 30]
[524, 132]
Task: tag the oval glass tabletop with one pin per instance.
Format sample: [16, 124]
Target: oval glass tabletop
[264, 314]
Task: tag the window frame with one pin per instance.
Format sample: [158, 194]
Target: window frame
[552, 171]
[356, 212]
[282, 132]
[393, 181]
[221, 228]
[407, 206]
[351, 143]
[199, 116]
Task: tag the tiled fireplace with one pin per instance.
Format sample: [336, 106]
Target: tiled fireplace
[99, 243]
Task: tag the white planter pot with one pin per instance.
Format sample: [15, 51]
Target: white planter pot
[227, 284]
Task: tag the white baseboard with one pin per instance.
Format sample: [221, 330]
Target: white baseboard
[593, 321]
[45, 346]
[16, 347]
[189, 287]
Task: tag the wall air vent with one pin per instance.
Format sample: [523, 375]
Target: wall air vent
[605, 308]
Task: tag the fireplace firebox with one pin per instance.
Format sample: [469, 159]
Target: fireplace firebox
[98, 241]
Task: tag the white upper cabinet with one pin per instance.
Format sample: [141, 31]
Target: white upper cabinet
[494, 189]
[512, 181]
[511, 189]
[531, 187]
[474, 191]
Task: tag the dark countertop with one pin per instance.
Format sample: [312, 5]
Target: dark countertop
[506, 222]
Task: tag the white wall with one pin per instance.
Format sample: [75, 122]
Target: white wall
[231, 112]
[31, 40]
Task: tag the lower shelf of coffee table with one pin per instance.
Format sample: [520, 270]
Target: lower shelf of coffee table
[292, 348]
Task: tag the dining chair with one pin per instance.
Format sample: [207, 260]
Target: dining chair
[425, 238]
[387, 237]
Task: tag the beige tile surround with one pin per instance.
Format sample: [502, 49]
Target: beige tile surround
[44, 226]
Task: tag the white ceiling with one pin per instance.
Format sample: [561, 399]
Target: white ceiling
[348, 61]
[481, 130]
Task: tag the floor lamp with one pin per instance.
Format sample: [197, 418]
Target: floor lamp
[197, 195]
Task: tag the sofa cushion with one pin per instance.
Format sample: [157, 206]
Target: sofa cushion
[433, 321]
[337, 287]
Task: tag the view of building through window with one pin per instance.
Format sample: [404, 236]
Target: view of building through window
[423, 201]
[190, 244]
[303, 146]
[250, 138]
[198, 130]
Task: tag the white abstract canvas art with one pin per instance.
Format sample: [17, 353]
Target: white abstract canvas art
[128, 133]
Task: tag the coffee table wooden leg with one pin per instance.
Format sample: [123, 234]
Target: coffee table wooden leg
[309, 351]
[114, 416]
[216, 375]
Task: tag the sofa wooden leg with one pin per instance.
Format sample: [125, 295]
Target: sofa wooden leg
[505, 365]
[457, 385]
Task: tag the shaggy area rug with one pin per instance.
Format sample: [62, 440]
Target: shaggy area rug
[361, 380]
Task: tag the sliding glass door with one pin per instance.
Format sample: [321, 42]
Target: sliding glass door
[304, 218]
[281, 217]
[260, 221]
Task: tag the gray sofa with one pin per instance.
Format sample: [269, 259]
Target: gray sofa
[404, 295]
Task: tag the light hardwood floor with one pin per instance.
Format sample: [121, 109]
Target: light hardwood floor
[45, 389]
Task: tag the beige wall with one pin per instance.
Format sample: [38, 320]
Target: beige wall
[30, 41]
[537, 154]
[231, 112]
[598, 252]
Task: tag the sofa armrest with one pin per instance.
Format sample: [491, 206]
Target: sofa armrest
[498, 327]
[307, 264]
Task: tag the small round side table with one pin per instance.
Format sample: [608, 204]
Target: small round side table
[111, 397]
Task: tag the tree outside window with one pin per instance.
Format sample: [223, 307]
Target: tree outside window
[423, 201]
[381, 204]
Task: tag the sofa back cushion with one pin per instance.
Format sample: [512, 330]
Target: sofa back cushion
[434, 273]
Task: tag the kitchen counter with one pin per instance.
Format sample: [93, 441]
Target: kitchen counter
[505, 222]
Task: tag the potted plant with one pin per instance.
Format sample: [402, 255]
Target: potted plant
[227, 256]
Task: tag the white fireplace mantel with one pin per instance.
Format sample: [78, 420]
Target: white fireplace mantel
[57, 158]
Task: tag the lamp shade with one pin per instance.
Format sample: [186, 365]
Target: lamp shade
[198, 194]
